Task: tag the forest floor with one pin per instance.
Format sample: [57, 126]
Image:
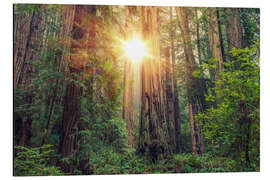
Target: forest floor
[33, 162]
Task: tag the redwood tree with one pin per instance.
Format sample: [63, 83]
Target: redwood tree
[153, 140]
[128, 92]
[80, 45]
[27, 49]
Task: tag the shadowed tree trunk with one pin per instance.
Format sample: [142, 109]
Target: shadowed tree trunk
[169, 100]
[22, 24]
[234, 30]
[202, 87]
[81, 44]
[177, 122]
[214, 39]
[66, 19]
[235, 40]
[24, 55]
[192, 84]
[220, 35]
[215, 48]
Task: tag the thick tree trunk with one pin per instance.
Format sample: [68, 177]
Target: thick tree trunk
[192, 84]
[214, 39]
[66, 17]
[198, 36]
[71, 114]
[23, 68]
[234, 30]
[169, 100]
[177, 123]
[81, 44]
[235, 40]
[22, 36]
[153, 138]
[202, 87]
[220, 35]
[244, 126]
[128, 94]
[184, 27]
[215, 48]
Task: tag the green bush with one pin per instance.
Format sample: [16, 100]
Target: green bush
[35, 161]
[232, 128]
[191, 163]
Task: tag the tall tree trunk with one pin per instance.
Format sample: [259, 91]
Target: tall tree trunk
[177, 123]
[215, 48]
[66, 17]
[81, 44]
[22, 37]
[234, 30]
[202, 87]
[214, 38]
[192, 81]
[169, 100]
[153, 138]
[220, 35]
[128, 94]
[198, 36]
[24, 71]
[235, 40]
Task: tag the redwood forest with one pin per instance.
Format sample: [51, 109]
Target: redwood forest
[101, 89]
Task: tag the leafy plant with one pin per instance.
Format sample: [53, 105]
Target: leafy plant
[38, 161]
[232, 128]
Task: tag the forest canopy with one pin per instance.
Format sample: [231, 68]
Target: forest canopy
[135, 89]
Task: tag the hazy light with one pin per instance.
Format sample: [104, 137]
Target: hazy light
[135, 49]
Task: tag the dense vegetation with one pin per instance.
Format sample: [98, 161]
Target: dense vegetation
[81, 106]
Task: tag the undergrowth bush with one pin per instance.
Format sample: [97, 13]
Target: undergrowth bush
[109, 161]
[38, 161]
[190, 163]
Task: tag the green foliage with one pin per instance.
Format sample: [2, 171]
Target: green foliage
[108, 161]
[49, 80]
[226, 126]
[191, 163]
[35, 161]
[250, 20]
[100, 133]
[26, 8]
[45, 86]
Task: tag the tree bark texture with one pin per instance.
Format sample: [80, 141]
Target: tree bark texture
[28, 39]
[202, 88]
[220, 35]
[21, 38]
[153, 134]
[214, 38]
[66, 19]
[177, 122]
[81, 44]
[192, 85]
[128, 94]
[234, 30]
[169, 100]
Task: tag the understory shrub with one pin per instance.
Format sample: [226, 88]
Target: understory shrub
[38, 161]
